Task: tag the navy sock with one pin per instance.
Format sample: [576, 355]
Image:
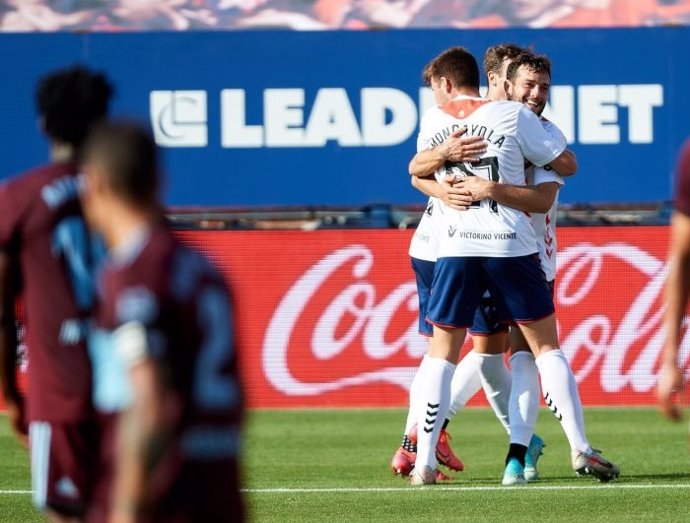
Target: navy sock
[518, 452]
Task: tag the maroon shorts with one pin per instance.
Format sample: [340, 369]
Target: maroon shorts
[63, 464]
[201, 492]
[99, 511]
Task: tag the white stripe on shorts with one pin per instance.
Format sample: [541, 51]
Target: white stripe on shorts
[39, 438]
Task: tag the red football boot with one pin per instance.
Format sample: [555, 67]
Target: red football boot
[403, 462]
[444, 454]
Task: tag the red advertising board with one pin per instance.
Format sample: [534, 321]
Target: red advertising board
[329, 318]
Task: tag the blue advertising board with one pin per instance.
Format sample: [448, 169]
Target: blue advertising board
[279, 118]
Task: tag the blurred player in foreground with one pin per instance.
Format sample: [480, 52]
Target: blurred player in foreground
[169, 315]
[45, 247]
[671, 382]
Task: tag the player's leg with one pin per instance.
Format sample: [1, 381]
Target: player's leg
[404, 458]
[531, 301]
[63, 458]
[435, 396]
[457, 292]
[484, 365]
[524, 402]
[563, 399]
[518, 285]
[466, 382]
[490, 341]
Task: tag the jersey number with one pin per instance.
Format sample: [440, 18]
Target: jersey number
[486, 168]
[72, 242]
[214, 389]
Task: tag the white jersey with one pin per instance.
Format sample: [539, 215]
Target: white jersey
[545, 224]
[512, 133]
[424, 244]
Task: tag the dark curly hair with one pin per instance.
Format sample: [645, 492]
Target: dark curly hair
[70, 101]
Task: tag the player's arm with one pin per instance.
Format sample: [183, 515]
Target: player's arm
[454, 197]
[142, 432]
[541, 148]
[676, 294]
[567, 166]
[569, 158]
[527, 198]
[457, 148]
[8, 347]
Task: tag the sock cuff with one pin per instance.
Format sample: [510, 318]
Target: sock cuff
[521, 355]
[556, 353]
[489, 356]
[447, 365]
[474, 356]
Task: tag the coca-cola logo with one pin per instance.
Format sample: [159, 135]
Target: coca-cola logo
[358, 298]
[624, 347]
[610, 319]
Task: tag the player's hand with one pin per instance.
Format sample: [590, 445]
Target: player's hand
[478, 188]
[454, 197]
[670, 391]
[461, 148]
[17, 419]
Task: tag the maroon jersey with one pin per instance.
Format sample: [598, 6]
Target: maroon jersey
[181, 305]
[41, 226]
[682, 198]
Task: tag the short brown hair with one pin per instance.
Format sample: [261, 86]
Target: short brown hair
[457, 64]
[129, 158]
[538, 63]
[495, 56]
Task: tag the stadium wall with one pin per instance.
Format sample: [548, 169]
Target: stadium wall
[276, 118]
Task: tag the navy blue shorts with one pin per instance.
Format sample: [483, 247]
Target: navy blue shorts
[517, 286]
[491, 317]
[424, 275]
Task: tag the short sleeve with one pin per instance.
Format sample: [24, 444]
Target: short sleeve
[138, 316]
[682, 188]
[423, 137]
[537, 144]
[555, 133]
[545, 175]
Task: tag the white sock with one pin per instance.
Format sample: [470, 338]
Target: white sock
[524, 397]
[497, 384]
[415, 395]
[438, 374]
[465, 384]
[560, 393]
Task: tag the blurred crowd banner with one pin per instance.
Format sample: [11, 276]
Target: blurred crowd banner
[305, 15]
[329, 318]
[293, 118]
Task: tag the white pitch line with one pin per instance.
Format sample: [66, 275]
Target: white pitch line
[451, 488]
[430, 488]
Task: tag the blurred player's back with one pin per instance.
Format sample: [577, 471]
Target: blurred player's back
[44, 238]
[40, 210]
[186, 310]
[168, 316]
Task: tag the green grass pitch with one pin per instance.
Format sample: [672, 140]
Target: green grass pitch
[332, 466]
